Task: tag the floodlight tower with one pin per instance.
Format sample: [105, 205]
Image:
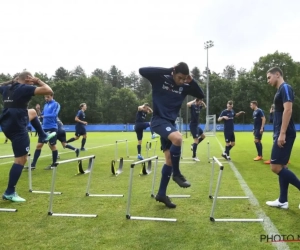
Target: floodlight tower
[207, 45]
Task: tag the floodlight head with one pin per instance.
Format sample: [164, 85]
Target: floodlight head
[208, 44]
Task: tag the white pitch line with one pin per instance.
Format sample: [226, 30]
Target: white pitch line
[268, 225]
[68, 152]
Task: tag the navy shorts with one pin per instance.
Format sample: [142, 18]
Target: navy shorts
[139, 129]
[53, 140]
[80, 131]
[20, 143]
[163, 128]
[229, 136]
[196, 131]
[61, 136]
[257, 134]
[29, 128]
[282, 155]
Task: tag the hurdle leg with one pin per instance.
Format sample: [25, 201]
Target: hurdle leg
[211, 179]
[153, 179]
[216, 194]
[29, 172]
[52, 191]
[92, 160]
[127, 149]
[128, 216]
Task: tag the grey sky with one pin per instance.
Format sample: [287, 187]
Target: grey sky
[43, 35]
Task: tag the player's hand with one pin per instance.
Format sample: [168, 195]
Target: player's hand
[31, 80]
[281, 140]
[225, 117]
[85, 123]
[242, 112]
[261, 131]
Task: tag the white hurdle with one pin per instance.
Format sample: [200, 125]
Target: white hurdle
[7, 209]
[91, 159]
[215, 197]
[149, 147]
[210, 158]
[185, 162]
[30, 180]
[128, 216]
[171, 195]
[117, 149]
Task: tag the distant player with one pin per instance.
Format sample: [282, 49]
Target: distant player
[228, 116]
[197, 133]
[258, 128]
[284, 136]
[80, 126]
[14, 119]
[61, 136]
[38, 112]
[140, 125]
[170, 86]
[49, 114]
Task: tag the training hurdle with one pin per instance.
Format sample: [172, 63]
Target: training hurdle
[7, 209]
[210, 158]
[30, 180]
[149, 147]
[185, 162]
[117, 149]
[91, 159]
[128, 216]
[171, 195]
[215, 197]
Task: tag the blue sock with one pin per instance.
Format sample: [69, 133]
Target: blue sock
[283, 185]
[166, 173]
[194, 149]
[70, 147]
[83, 142]
[257, 147]
[227, 148]
[289, 177]
[175, 152]
[139, 148]
[14, 176]
[54, 156]
[37, 154]
[38, 127]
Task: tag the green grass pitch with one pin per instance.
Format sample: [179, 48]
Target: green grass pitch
[32, 228]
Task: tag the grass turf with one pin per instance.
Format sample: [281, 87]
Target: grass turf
[32, 228]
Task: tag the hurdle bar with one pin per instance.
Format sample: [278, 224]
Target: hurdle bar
[116, 150]
[128, 216]
[215, 197]
[30, 180]
[149, 147]
[118, 171]
[181, 155]
[171, 195]
[210, 158]
[7, 209]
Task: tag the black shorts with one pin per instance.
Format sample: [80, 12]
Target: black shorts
[229, 136]
[20, 143]
[163, 128]
[282, 155]
[196, 131]
[257, 134]
[80, 131]
[53, 140]
[61, 136]
[139, 129]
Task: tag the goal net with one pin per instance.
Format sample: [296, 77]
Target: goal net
[210, 125]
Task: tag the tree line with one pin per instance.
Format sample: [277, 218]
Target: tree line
[113, 97]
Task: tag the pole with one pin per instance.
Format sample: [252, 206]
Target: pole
[187, 117]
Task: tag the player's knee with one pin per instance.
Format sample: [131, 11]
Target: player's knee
[84, 136]
[203, 136]
[232, 144]
[276, 168]
[139, 142]
[175, 138]
[39, 146]
[31, 114]
[21, 160]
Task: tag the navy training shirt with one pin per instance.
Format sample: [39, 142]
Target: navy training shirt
[140, 116]
[228, 124]
[195, 112]
[166, 95]
[14, 117]
[257, 117]
[284, 94]
[81, 117]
